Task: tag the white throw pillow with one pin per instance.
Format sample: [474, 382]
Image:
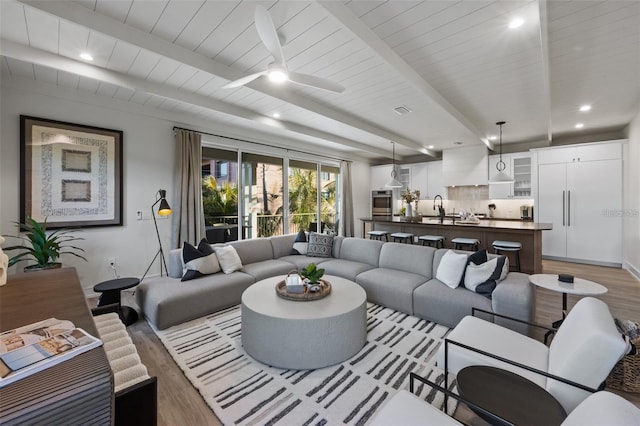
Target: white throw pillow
[451, 268]
[228, 258]
[478, 274]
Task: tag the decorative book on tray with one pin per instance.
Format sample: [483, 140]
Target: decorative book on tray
[32, 348]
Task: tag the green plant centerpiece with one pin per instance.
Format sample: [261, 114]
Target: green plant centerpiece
[312, 273]
[42, 248]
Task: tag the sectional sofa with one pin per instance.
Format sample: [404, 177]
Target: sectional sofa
[398, 276]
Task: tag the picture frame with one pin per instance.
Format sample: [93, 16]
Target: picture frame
[70, 174]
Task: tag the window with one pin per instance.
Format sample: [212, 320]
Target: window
[252, 194]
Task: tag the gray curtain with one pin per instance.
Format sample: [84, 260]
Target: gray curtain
[346, 211]
[188, 220]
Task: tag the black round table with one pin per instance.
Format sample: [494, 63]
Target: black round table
[111, 294]
[509, 396]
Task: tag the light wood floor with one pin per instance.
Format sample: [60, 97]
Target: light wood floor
[180, 403]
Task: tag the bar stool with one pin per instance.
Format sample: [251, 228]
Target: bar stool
[462, 243]
[377, 235]
[402, 237]
[436, 241]
[508, 246]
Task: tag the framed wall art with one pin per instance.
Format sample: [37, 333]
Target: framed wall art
[71, 174]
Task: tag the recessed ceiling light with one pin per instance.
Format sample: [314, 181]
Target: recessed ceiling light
[492, 137]
[430, 147]
[585, 108]
[579, 125]
[276, 115]
[86, 56]
[516, 23]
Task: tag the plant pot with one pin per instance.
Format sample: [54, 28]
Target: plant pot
[31, 268]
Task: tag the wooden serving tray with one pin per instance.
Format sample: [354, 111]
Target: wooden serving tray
[307, 296]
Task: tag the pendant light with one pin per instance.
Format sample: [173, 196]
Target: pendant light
[393, 182]
[500, 176]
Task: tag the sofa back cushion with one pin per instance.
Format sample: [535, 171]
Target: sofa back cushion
[408, 258]
[361, 250]
[584, 350]
[282, 244]
[255, 250]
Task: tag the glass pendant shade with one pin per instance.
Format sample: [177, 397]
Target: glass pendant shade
[500, 176]
[394, 182]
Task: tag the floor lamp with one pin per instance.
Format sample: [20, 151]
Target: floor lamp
[163, 210]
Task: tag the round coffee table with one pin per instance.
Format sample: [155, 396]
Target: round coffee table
[304, 335]
[111, 295]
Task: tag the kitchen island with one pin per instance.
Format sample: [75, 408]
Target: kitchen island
[529, 234]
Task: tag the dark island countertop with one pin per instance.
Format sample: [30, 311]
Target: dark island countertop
[484, 223]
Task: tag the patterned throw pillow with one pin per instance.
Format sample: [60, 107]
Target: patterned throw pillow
[300, 245]
[484, 278]
[320, 245]
[198, 261]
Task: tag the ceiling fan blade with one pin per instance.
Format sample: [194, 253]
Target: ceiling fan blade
[268, 34]
[244, 80]
[313, 81]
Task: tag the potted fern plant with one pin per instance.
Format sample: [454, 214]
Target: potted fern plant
[44, 249]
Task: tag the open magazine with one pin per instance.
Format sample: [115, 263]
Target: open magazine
[27, 350]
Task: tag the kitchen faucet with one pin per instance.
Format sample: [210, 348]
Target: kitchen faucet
[440, 208]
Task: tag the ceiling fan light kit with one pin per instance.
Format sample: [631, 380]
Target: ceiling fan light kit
[500, 176]
[278, 72]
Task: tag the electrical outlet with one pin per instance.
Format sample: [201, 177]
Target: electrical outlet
[111, 261]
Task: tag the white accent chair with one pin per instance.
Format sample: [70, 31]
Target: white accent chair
[600, 408]
[584, 350]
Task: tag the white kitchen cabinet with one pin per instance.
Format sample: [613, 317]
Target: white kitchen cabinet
[611, 150]
[380, 175]
[581, 197]
[518, 166]
[420, 178]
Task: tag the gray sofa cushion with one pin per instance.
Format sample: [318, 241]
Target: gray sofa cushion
[282, 245]
[391, 287]
[267, 268]
[408, 258]
[344, 268]
[251, 251]
[299, 261]
[435, 301]
[166, 301]
[361, 250]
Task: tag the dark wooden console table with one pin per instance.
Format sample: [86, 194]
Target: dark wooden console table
[77, 391]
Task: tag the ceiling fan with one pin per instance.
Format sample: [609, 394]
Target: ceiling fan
[277, 71]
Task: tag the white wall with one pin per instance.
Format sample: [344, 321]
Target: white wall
[148, 153]
[148, 165]
[631, 221]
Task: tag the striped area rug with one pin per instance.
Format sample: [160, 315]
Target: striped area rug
[242, 391]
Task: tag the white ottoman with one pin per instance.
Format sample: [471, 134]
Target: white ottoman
[304, 335]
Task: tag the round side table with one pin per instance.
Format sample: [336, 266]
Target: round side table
[111, 294]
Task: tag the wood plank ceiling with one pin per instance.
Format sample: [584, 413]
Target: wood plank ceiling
[456, 65]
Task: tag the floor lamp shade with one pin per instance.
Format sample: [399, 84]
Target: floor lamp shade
[163, 209]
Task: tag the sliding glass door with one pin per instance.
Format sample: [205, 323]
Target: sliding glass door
[262, 195]
[266, 195]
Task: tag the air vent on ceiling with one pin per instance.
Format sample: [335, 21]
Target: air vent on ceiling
[402, 110]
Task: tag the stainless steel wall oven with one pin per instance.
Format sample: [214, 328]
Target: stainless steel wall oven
[382, 203]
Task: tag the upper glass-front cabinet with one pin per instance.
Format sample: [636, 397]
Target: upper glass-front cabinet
[518, 165]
